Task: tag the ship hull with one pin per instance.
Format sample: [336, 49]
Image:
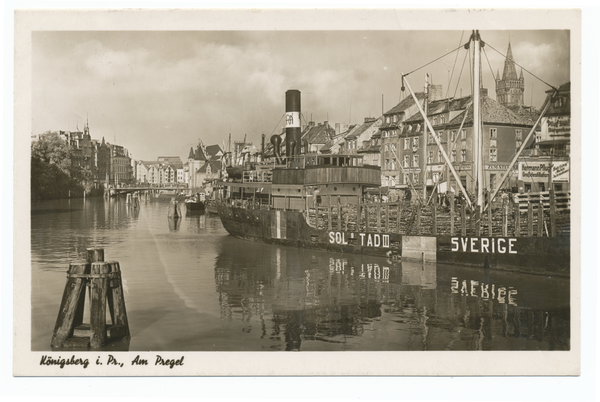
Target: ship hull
[536, 255]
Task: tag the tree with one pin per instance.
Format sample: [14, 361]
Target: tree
[52, 150]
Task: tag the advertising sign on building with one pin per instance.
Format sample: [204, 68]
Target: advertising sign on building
[538, 171]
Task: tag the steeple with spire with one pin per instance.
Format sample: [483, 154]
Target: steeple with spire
[510, 89]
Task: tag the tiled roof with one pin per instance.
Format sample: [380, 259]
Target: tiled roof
[492, 112]
[360, 129]
[318, 134]
[214, 167]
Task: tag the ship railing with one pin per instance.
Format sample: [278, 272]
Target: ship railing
[449, 216]
[562, 200]
[255, 176]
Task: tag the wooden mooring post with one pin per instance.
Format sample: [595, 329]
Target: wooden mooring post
[174, 210]
[104, 281]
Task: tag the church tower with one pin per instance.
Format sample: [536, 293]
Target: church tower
[510, 89]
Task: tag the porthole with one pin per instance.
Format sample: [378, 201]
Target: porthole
[353, 188]
[335, 189]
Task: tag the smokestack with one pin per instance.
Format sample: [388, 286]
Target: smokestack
[262, 148]
[293, 132]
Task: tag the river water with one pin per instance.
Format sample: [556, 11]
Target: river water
[189, 286]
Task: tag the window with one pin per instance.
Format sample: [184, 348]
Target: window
[435, 120]
[395, 118]
[419, 127]
[406, 143]
[415, 177]
[493, 143]
[430, 157]
[387, 119]
[431, 141]
[415, 142]
[441, 136]
[393, 164]
[405, 178]
[443, 118]
[519, 135]
[409, 128]
[393, 147]
[538, 138]
[435, 176]
[453, 156]
[387, 164]
[386, 148]
[406, 160]
[463, 155]
[493, 155]
[493, 133]
[384, 181]
[453, 136]
[415, 161]
[440, 157]
[463, 134]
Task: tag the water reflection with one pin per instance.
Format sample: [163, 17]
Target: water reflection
[301, 295]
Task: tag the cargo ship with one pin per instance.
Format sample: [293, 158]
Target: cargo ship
[330, 202]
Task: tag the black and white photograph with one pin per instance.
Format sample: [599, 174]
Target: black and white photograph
[403, 186]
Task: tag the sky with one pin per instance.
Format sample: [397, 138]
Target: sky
[158, 93]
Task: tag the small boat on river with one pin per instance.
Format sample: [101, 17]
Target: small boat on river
[195, 203]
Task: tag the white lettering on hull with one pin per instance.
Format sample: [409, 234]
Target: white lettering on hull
[498, 245]
[366, 239]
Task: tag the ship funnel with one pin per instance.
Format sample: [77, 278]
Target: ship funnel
[276, 142]
[292, 123]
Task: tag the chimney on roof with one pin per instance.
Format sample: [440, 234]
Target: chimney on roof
[435, 92]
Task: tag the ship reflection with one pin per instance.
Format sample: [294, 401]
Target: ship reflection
[312, 295]
[311, 298]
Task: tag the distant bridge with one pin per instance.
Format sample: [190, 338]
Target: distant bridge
[125, 190]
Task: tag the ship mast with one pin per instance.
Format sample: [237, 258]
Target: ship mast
[477, 135]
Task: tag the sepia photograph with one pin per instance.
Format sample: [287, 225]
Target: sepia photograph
[202, 185]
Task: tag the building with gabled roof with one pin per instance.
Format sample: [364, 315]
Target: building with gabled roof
[314, 137]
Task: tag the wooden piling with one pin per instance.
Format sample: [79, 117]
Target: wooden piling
[517, 213]
[434, 216]
[99, 284]
[329, 223]
[552, 212]
[451, 213]
[504, 218]
[387, 218]
[116, 302]
[419, 218]
[70, 313]
[104, 281]
[489, 219]
[174, 210]
[540, 224]
[463, 219]
[529, 219]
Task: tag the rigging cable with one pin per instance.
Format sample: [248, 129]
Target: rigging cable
[433, 61]
[454, 65]
[460, 75]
